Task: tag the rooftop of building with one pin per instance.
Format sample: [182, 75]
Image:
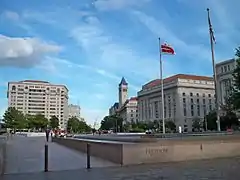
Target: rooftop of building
[226, 62]
[36, 82]
[123, 82]
[74, 105]
[157, 82]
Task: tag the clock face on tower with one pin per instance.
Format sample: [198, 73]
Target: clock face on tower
[124, 90]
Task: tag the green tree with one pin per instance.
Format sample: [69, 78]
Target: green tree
[235, 95]
[229, 120]
[211, 119]
[72, 125]
[54, 122]
[30, 121]
[14, 119]
[197, 124]
[39, 121]
[75, 125]
[112, 122]
[170, 125]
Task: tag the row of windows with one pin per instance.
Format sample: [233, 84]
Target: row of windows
[36, 90]
[225, 68]
[197, 94]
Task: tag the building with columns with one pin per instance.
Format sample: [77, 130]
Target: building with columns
[224, 71]
[186, 97]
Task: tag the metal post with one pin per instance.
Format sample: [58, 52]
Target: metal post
[214, 70]
[88, 156]
[46, 158]
[162, 94]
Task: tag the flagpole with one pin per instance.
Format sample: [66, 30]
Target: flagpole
[162, 94]
[214, 70]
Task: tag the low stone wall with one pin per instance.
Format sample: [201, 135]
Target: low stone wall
[109, 151]
[155, 153]
[2, 154]
[167, 150]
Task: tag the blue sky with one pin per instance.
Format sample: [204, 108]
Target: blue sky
[89, 45]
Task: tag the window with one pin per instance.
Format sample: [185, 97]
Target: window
[203, 95]
[183, 94]
[184, 100]
[209, 95]
[184, 111]
[191, 94]
[13, 88]
[192, 101]
[222, 69]
[228, 67]
[192, 110]
[197, 95]
[225, 68]
[198, 110]
[184, 107]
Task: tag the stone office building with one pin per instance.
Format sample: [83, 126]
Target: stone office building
[186, 97]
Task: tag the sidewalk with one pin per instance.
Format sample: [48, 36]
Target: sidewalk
[26, 155]
[215, 169]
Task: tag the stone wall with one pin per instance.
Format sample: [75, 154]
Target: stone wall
[109, 151]
[155, 153]
[2, 154]
[167, 150]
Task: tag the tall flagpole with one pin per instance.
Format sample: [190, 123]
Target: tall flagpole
[161, 78]
[214, 70]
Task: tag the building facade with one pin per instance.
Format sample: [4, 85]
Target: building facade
[39, 97]
[129, 111]
[127, 107]
[224, 71]
[186, 97]
[74, 111]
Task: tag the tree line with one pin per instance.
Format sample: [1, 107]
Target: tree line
[228, 120]
[116, 124]
[16, 120]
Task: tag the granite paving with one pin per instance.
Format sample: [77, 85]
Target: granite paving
[215, 169]
[26, 154]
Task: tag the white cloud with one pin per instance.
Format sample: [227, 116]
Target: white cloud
[100, 96]
[11, 15]
[107, 5]
[105, 52]
[160, 30]
[24, 52]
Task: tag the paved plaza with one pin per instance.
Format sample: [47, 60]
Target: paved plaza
[218, 169]
[25, 160]
[26, 154]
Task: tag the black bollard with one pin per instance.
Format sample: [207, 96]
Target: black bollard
[88, 156]
[46, 158]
